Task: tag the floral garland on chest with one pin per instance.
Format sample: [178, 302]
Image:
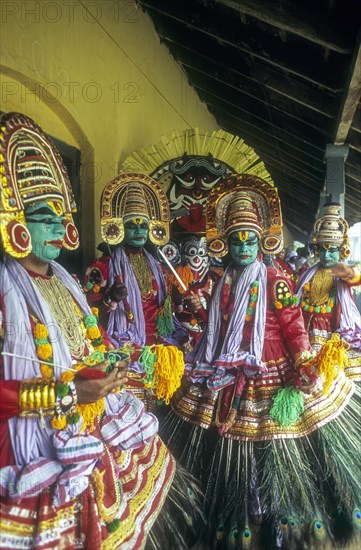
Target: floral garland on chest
[67, 410]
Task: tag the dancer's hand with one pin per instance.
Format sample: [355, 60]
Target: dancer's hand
[117, 292]
[90, 390]
[193, 302]
[342, 270]
[310, 385]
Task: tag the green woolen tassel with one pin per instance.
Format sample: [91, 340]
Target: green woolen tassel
[287, 406]
[147, 360]
[164, 319]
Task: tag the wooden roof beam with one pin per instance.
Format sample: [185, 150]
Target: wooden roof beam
[252, 94]
[301, 72]
[311, 99]
[351, 98]
[289, 136]
[252, 136]
[293, 18]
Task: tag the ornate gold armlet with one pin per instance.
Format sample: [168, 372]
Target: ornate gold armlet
[37, 396]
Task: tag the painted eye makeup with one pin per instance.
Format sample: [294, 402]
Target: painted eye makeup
[47, 221]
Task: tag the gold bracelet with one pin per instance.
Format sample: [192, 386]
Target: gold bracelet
[31, 398]
[37, 394]
[45, 396]
[302, 357]
[23, 398]
[51, 395]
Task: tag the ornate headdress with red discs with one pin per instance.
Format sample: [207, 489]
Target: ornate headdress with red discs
[243, 202]
[31, 170]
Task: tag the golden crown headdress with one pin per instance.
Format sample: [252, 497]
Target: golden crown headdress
[134, 195]
[243, 202]
[31, 170]
[331, 229]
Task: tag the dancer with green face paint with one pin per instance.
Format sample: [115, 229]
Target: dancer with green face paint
[243, 247]
[45, 222]
[81, 464]
[325, 290]
[136, 308]
[276, 453]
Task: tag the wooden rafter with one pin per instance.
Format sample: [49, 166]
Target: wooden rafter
[312, 26]
[350, 99]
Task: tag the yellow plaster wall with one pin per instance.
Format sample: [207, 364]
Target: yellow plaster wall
[94, 75]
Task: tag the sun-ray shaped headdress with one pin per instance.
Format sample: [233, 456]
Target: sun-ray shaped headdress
[215, 155]
[31, 170]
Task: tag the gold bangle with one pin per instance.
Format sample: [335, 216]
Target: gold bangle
[51, 395]
[302, 357]
[31, 398]
[37, 396]
[23, 397]
[44, 396]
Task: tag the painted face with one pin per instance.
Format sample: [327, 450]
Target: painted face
[45, 223]
[243, 247]
[136, 232]
[193, 179]
[329, 255]
[194, 254]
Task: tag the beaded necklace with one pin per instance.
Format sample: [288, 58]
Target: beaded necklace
[65, 312]
[142, 272]
[318, 302]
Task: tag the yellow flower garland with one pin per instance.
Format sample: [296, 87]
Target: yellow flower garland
[44, 350]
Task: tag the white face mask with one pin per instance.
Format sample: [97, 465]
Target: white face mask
[194, 254]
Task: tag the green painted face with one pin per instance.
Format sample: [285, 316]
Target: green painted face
[243, 247]
[329, 255]
[136, 232]
[45, 223]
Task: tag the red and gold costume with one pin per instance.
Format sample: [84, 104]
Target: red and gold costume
[259, 432]
[73, 474]
[144, 317]
[326, 300]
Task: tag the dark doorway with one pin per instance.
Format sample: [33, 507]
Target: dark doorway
[72, 260]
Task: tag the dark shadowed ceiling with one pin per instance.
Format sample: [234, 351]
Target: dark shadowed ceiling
[285, 75]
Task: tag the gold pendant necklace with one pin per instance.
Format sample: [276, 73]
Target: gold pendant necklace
[142, 272]
[321, 286]
[65, 311]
